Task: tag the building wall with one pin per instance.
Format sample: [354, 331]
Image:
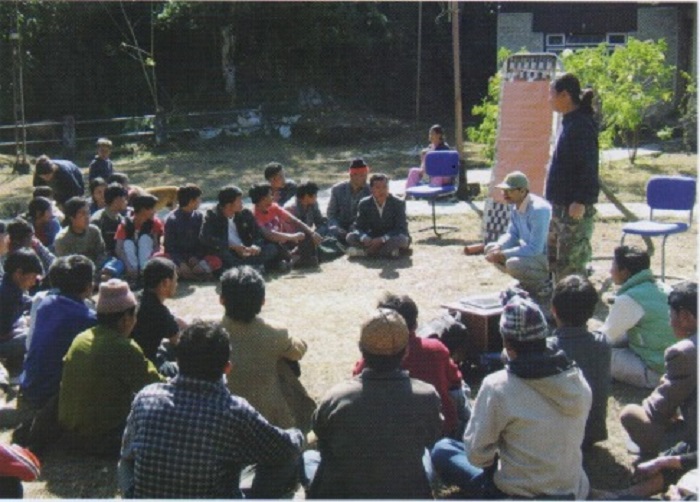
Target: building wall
[655, 23]
[515, 32]
[677, 25]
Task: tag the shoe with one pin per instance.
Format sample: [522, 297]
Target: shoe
[474, 249]
[284, 266]
[406, 251]
[394, 253]
[354, 252]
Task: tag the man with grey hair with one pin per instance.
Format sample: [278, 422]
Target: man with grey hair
[524, 437]
[373, 430]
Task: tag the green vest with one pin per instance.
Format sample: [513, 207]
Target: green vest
[652, 335]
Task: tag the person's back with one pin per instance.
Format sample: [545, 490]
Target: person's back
[528, 421]
[190, 438]
[537, 426]
[60, 317]
[257, 346]
[102, 370]
[373, 430]
[427, 359]
[573, 304]
[154, 321]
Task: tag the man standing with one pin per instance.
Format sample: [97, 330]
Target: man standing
[345, 196]
[373, 430]
[190, 437]
[521, 252]
[524, 437]
[381, 228]
[63, 176]
[572, 178]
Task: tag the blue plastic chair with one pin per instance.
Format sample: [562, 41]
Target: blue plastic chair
[670, 193]
[443, 163]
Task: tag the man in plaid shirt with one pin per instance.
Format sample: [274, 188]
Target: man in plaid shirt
[190, 437]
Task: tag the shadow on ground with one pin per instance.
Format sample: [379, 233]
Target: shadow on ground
[389, 267]
[90, 477]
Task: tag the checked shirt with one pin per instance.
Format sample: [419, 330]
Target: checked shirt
[190, 438]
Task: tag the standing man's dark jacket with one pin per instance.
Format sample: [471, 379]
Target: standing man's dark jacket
[573, 171]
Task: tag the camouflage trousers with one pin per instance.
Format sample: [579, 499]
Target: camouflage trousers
[569, 242]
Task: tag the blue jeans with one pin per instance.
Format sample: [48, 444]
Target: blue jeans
[451, 463]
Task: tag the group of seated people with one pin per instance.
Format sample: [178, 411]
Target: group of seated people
[212, 398]
[118, 229]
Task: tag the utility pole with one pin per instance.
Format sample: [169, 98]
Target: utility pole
[462, 190]
[419, 53]
[21, 165]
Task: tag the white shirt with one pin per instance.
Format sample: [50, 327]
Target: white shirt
[233, 238]
[624, 314]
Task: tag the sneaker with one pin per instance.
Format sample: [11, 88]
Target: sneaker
[354, 252]
[284, 266]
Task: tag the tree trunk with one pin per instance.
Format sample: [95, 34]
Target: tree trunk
[629, 215]
[228, 67]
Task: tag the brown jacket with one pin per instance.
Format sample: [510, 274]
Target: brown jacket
[256, 348]
[678, 387]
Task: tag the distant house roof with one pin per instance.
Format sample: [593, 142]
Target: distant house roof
[581, 18]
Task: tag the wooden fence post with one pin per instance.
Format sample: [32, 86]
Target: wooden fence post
[68, 138]
[160, 126]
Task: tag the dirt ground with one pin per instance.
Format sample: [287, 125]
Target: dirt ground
[326, 306]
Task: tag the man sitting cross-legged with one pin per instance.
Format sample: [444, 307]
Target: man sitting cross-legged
[154, 321]
[60, 317]
[521, 251]
[283, 189]
[181, 240]
[374, 430]
[573, 303]
[190, 438]
[262, 353]
[108, 220]
[678, 388]
[22, 268]
[381, 228]
[230, 233]
[102, 371]
[524, 437]
[428, 360]
[138, 237]
[80, 236]
[638, 324]
[345, 196]
[297, 248]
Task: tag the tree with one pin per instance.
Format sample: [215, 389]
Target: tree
[632, 82]
[485, 133]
